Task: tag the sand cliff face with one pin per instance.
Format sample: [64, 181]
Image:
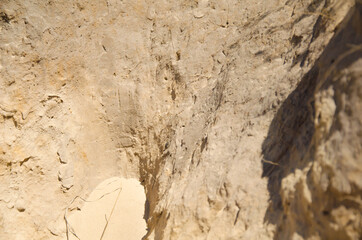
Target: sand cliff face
[241, 119]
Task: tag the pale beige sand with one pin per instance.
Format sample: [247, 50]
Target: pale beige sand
[126, 221]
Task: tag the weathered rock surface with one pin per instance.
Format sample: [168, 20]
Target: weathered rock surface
[241, 119]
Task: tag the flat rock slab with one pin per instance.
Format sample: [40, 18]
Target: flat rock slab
[127, 199]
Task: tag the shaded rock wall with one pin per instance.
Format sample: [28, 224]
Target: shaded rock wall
[315, 139]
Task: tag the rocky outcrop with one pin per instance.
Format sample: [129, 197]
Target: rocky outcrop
[316, 140]
[241, 119]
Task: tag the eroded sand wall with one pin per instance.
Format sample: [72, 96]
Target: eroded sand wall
[240, 118]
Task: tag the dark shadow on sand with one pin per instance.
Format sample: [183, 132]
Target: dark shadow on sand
[289, 140]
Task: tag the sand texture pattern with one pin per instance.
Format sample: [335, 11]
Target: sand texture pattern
[185, 119]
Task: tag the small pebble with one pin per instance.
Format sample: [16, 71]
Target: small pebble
[20, 205]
